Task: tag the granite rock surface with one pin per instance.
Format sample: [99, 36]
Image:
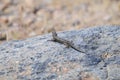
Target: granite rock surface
[38, 58]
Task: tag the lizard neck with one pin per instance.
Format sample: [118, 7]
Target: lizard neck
[54, 34]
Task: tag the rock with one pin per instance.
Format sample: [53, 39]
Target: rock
[3, 35]
[4, 20]
[38, 58]
[4, 4]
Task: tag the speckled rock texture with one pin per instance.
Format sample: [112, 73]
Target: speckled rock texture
[38, 58]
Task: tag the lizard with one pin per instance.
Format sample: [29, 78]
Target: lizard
[64, 41]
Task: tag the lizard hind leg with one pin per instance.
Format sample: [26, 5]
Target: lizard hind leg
[67, 45]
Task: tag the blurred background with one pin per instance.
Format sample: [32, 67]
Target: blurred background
[20, 19]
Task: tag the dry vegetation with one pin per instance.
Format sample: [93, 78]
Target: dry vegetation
[20, 19]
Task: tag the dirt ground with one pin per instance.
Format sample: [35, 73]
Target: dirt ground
[20, 19]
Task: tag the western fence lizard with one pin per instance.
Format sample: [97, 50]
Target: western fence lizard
[63, 41]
